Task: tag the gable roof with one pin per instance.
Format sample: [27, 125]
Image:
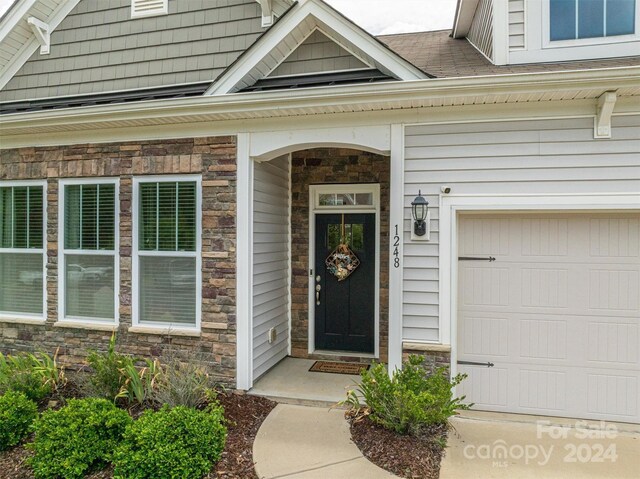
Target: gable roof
[17, 38]
[448, 57]
[98, 48]
[301, 20]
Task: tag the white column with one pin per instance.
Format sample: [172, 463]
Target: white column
[244, 205]
[396, 241]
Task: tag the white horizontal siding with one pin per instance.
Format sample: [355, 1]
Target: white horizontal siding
[515, 157]
[270, 263]
[481, 32]
[516, 25]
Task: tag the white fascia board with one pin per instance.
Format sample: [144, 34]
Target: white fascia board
[14, 16]
[465, 11]
[248, 104]
[321, 13]
[31, 46]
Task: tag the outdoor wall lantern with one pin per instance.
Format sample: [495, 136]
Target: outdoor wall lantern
[421, 218]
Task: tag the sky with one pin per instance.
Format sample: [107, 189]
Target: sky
[381, 17]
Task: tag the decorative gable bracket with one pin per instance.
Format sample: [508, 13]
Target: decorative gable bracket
[604, 110]
[267, 12]
[42, 32]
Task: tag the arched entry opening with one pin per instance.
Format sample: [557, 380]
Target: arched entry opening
[301, 197]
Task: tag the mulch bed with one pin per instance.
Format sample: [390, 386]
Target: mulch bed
[407, 456]
[244, 413]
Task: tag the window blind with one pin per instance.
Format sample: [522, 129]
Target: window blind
[89, 251]
[21, 229]
[21, 217]
[90, 217]
[167, 223]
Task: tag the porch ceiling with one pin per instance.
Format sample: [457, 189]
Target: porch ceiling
[484, 90]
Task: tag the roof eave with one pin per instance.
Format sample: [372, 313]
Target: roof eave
[322, 100]
[465, 11]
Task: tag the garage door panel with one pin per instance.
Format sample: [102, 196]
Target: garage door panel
[542, 389]
[564, 294]
[485, 387]
[612, 394]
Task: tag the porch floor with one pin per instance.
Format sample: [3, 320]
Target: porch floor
[290, 381]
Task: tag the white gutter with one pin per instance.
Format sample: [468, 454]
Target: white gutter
[246, 105]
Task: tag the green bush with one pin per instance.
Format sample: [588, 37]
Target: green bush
[77, 438]
[171, 443]
[116, 376]
[36, 375]
[17, 413]
[183, 383]
[408, 402]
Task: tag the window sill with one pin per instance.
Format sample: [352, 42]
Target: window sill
[18, 320]
[426, 347]
[165, 331]
[86, 325]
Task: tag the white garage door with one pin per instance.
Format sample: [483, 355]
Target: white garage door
[557, 313]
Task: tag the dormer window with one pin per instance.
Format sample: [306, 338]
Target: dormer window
[149, 8]
[578, 19]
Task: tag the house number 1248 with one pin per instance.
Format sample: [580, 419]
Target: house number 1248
[396, 251]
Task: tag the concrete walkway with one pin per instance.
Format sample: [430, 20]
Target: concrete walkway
[301, 442]
[501, 447]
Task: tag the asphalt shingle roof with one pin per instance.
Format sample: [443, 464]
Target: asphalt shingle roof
[442, 56]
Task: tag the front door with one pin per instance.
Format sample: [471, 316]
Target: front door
[345, 310]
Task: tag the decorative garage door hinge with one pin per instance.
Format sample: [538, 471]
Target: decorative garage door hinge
[476, 258]
[473, 363]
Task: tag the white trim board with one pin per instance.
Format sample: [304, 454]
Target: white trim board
[315, 209]
[452, 205]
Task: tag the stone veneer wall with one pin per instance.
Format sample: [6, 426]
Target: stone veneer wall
[215, 159]
[322, 166]
[434, 357]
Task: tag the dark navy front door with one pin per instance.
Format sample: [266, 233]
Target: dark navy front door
[345, 310]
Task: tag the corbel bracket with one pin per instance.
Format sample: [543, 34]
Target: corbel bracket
[267, 12]
[604, 110]
[42, 33]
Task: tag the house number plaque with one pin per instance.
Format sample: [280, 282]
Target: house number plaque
[396, 251]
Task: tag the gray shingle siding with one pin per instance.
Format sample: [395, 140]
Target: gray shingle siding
[99, 48]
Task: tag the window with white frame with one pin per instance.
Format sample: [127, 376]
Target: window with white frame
[166, 259]
[578, 19]
[22, 253]
[88, 267]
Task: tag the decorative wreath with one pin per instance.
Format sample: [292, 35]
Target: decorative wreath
[342, 261]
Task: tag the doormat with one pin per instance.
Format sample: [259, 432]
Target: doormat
[337, 368]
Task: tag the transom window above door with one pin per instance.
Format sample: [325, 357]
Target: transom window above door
[352, 197]
[581, 19]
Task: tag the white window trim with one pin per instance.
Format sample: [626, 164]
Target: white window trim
[163, 10]
[62, 251]
[31, 318]
[540, 48]
[314, 195]
[452, 205]
[164, 328]
[548, 43]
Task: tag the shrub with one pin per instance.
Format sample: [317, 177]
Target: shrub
[77, 438]
[171, 443]
[183, 384]
[107, 378]
[17, 413]
[36, 375]
[408, 402]
[115, 376]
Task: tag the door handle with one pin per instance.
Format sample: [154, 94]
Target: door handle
[318, 288]
[474, 363]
